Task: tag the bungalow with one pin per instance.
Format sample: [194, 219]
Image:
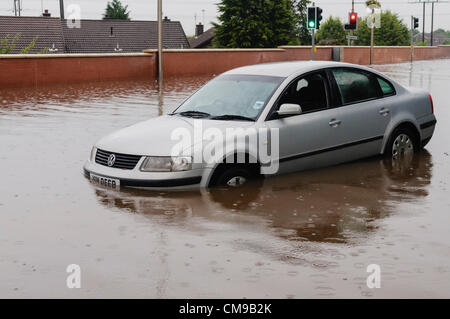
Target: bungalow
[92, 36]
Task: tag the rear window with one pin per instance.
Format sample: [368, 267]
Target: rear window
[355, 85]
[386, 87]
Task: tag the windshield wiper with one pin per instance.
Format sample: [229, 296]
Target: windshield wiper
[230, 117]
[193, 114]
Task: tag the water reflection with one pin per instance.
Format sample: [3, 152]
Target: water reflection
[104, 95]
[334, 205]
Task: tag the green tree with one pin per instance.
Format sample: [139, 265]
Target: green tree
[116, 10]
[442, 31]
[373, 3]
[255, 24]
[303, 33]
[331, 32]
[8, 44]
[392, 32]
[282, 17]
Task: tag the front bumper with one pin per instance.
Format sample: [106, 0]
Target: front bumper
[136, 178]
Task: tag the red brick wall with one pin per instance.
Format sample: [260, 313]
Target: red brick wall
[304, 53]
[193, 62]
[36, 71]
[42, 70]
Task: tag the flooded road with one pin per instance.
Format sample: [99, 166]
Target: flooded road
[305, 235]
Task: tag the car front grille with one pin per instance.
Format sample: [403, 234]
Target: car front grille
[122, 161]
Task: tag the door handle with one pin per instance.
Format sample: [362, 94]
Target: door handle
[384, 111]
[334, 123]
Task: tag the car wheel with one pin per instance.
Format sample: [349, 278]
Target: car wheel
[234, 177]
[402, 145]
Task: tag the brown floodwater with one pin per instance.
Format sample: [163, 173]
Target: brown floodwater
[304, 235]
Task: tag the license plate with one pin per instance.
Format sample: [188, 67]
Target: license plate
[105, 181]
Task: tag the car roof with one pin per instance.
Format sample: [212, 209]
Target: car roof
[286, 69]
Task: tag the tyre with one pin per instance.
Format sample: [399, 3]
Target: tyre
[234, 176]
[402, 144]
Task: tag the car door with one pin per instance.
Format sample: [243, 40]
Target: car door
[364, 114]
[306, 140]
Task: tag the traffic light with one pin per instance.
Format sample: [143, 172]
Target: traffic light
[416, 22]
[352, 21]
[314, 17]
[311, 24]
[318, 17]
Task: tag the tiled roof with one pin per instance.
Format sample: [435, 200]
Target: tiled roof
[48, 31]
[202, 40]
[94, 36]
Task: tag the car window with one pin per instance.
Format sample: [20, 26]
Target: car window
[386, 87]
[355, 85]
[309, 92]
[239, 95]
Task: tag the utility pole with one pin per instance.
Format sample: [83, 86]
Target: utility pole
[61, 9]
[432, 21]
[17, 8]
[160, 44]
[423, 22]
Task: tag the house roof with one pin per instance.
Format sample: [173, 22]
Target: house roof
[202, 39]
[94, 36]
[48, 31]
[105, 36]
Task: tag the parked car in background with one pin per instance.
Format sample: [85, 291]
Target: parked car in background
[325, 113]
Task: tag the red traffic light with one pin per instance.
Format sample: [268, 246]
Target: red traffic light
[353, 17]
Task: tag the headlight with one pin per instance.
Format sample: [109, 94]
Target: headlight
[93, 152]
[166, 164]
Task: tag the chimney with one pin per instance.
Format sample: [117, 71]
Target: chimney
[199, 29]
[46, 14]
[61, 8]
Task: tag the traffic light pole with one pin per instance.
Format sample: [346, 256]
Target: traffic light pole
[350, 42]
[313, 40]
[412, 44]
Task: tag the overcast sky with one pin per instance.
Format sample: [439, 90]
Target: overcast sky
[185, 10]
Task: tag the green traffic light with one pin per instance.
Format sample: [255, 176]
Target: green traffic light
[311, 24]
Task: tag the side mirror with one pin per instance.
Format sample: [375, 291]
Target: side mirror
[289, 109]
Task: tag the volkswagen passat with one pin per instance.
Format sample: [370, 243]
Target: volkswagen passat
[313, 114]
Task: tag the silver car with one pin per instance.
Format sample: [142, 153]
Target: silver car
[322, 113]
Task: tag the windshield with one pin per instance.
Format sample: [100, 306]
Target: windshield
[231, 97]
